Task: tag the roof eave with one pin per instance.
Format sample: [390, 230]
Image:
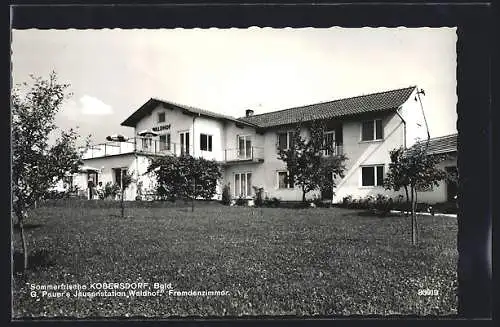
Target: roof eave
[344, 116]
[137, 115]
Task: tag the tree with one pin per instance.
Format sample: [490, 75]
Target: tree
[185, 176]
[414, 169]
[126, 179]
[36, 164]
[397, 177]
[306, 163]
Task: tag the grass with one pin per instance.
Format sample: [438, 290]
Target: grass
[303, 262]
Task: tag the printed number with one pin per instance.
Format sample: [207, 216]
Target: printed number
[427, 292]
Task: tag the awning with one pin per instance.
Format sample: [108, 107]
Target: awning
[147, 133]
[86, 169]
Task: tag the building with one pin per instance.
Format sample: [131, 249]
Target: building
[365, 128]
[447, 189]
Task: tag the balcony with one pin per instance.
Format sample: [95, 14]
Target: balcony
[250, 154]
[133, 145]
[155, 147]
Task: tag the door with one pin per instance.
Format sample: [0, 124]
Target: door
[451, 183]
[118, 176]
[184, 142]
[244, 147]
[93, 176]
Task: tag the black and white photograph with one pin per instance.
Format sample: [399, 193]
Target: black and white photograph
[238, 172]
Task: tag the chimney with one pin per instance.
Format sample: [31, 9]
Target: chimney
[248, 112]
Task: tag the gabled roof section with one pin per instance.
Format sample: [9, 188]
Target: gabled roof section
[376, 102]
[442, 144]
[152, 103]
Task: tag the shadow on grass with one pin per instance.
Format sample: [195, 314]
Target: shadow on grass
[27, 226]
[373, 213]
[36, 260]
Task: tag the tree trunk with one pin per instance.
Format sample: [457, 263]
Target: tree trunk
[21, 217]
[192, 197]
[303, 195]
[416, 220]
[407, 201]
[122, 206]
[413, 220]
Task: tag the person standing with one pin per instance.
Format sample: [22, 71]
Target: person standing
[90, 185]
[100, 191]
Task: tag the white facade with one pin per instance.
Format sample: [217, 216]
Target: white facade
[248, 154]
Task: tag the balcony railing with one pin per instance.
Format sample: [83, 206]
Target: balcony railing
[244, 154]
[155, 147]
[336, 150]
[133, 145]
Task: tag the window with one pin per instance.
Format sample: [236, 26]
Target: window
[165, 142]
[285, 180]
[244, 147]
[372, 175]
[372, 130]
[205, 142]
[329, 139]
[285, 140]
[243, 185]
[161, 117]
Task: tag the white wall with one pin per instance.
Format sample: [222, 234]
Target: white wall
[203, 125]
[360, 153]
[411, 111]
[231, 139]
[438, 193]
[106, 165]
[178, 121]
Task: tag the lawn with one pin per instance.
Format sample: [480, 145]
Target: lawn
[305, 262]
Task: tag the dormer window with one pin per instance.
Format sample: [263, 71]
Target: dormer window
[161, 117]
[371, 130]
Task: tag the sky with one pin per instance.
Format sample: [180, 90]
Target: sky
[112, 72]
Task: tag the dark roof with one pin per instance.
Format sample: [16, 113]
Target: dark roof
[382, 101]
[152, 103]
[442, 144]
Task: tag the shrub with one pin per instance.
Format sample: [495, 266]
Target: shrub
[275, 202]
[258, 199]
[346, 201]
[317, 201]
[226, 196]
[139, 191]
[383, 204]
[368, 202]
[240, 201]
[111, 190]
[271, 202]
[56, 195]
